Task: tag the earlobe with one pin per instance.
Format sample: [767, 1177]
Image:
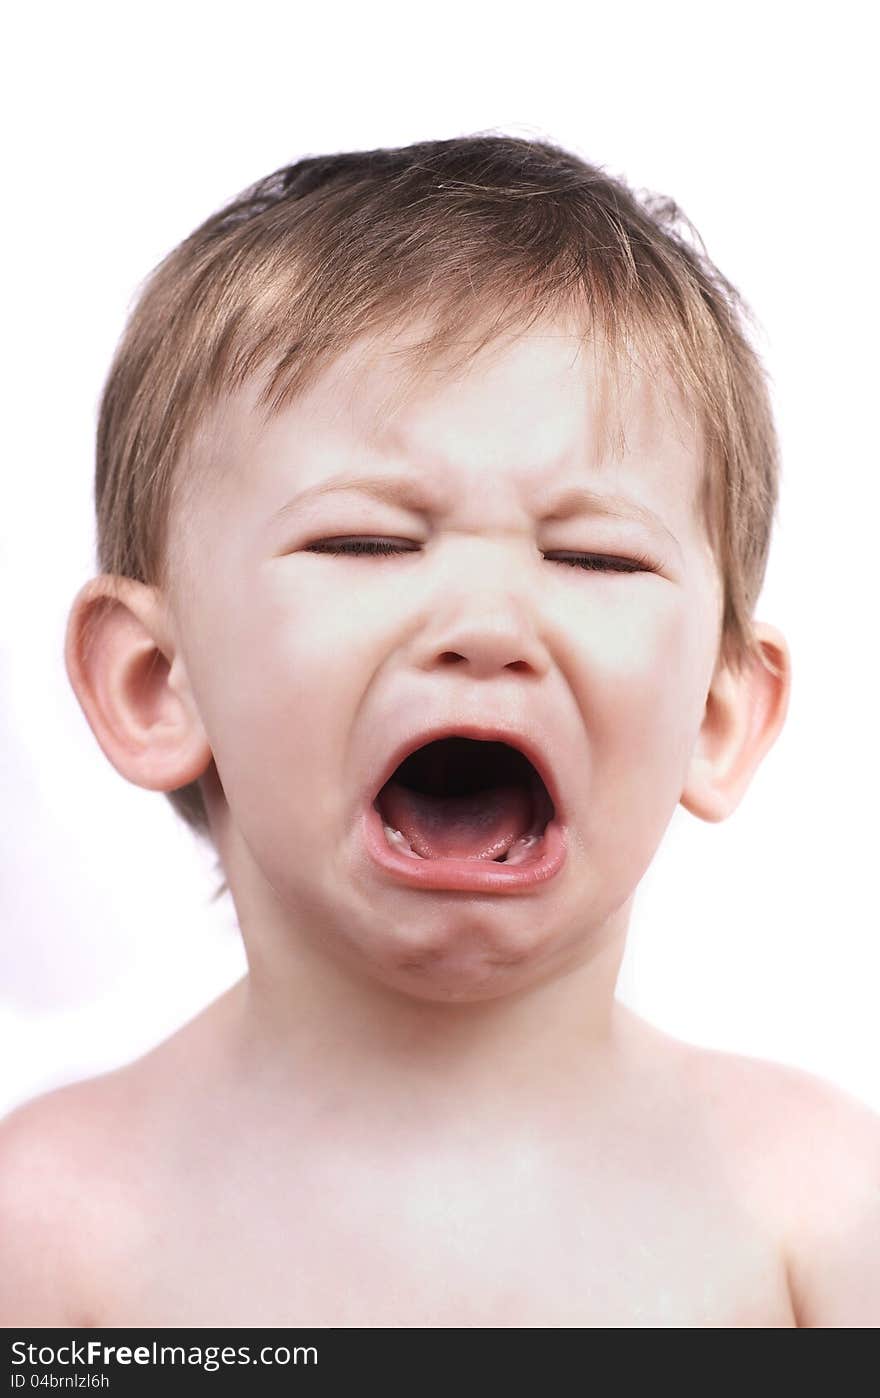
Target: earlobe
[132, 686]
[744, 715]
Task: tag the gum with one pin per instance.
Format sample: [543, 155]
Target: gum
[465, 875]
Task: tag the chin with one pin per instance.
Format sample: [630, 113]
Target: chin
[461, 965]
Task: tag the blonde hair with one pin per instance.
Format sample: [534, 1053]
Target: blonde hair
[292, 271]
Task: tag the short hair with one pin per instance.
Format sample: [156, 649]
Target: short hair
[289, 274]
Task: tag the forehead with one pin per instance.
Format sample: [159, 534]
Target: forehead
[535, 411]
[548, 385]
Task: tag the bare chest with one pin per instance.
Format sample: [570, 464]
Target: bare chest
[432, 1253]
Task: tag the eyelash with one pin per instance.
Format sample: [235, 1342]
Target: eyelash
[586, 561]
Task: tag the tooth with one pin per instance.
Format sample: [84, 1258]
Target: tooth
[399, 841]
[522, 849]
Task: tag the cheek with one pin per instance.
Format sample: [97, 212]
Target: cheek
[642, 699]
[645, 683]
[268, 679]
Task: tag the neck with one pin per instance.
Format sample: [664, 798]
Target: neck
[308, 1028]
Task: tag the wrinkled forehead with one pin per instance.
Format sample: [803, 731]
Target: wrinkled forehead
[627, 406]
[388, 382]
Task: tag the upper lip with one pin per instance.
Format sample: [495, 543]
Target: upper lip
[489, 733]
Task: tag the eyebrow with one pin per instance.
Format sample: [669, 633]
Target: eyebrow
[415, 495]
[580, 500]
[391, 490]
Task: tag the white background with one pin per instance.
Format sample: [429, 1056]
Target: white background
[127, 126]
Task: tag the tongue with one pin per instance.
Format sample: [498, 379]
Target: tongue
[483, 825]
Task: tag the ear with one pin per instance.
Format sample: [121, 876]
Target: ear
[744, 714]
[131, 683]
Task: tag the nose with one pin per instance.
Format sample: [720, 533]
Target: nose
[488, 633]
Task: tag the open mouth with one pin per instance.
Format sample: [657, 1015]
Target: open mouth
[461, 798]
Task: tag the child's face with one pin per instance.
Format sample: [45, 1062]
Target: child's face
[309, 669]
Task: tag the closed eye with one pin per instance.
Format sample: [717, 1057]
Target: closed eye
[591, 562]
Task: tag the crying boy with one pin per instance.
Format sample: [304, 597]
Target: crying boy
[434, 489]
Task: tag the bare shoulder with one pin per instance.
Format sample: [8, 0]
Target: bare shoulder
[86, 1169]
[56, 1153]
[813, 1151]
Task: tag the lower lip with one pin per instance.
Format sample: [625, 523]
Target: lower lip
[465, 875]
